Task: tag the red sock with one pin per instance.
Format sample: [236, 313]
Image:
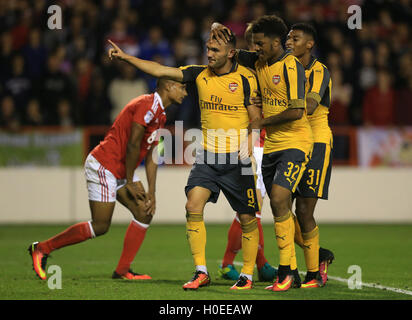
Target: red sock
[72, 235]
[234, 243]
[260, 258]
[133, 239]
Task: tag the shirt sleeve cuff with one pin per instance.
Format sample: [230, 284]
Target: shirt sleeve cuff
[296, 104]
[314, 95]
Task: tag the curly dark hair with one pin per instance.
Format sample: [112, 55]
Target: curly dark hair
[271, 26]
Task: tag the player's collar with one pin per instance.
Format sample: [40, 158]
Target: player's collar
[232, 69]
[283, 55]
[159, 98]
[311, 62]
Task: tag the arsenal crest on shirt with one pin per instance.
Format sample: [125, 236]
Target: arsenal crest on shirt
[276, 79]
[233, 86]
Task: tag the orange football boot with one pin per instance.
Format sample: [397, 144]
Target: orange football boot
[39, 260]
[242, 284]
[200, 279]
[130, 275]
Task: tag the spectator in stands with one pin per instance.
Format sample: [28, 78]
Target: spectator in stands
[386, 26]
[65, 114]
[258, 9]
[83, 74]
[336, 39]
[18, 85]
[341, 97]
[20, 30]
[379, 101]
[35, 55]
[168, 14]
[237, 21]
[367, 73]
[155, 48]
[82, 78]
[6, 55]
[97, 107]
[65, 64]
[403, 107]
[156, 45]
[34, 115]
[9, 118]
[191, 42]
[333, 60]
[348, 64]
[119, 34]
[383, 55]
[404, 70]
[124, 89]
[79, 48]
[180, 55]
[54, 86]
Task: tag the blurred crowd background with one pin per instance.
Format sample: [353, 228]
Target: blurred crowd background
[64, 77]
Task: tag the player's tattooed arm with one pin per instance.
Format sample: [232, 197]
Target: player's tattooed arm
[132, 156]
[150, 67]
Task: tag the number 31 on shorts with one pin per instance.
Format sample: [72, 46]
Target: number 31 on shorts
[311, 180]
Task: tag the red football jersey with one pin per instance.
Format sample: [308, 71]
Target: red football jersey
[146, 110]
[260, 142]
[262, 137]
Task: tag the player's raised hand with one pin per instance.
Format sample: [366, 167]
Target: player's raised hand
[220, 32]
[116, 52]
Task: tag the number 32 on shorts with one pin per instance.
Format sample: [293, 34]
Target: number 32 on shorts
[291, 173]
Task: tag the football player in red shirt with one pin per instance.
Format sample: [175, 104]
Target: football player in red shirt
[110, 174]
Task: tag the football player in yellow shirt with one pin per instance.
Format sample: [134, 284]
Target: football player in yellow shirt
[315, 181]
[265, 271]
[289, 141]
[224, 89]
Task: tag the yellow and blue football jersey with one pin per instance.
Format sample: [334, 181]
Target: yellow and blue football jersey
[282, 86]
[223, 101]
[319, 88]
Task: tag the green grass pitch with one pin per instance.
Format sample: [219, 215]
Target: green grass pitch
[382, 251]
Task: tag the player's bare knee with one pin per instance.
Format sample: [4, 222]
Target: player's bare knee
[100, 228]
[303, 212]
[246, 218]
[140, 215]
[279, 204]
[301, 209]
[193, 206]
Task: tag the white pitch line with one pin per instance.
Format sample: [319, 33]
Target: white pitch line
[374, 285]
[369, 285]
